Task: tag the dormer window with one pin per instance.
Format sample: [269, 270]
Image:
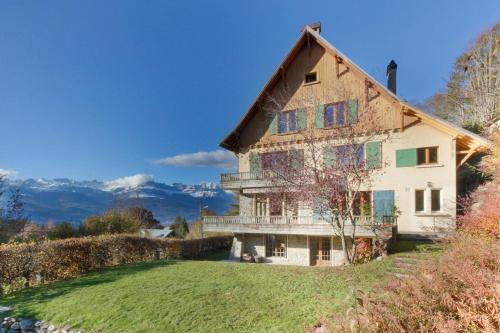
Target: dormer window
[311, 78]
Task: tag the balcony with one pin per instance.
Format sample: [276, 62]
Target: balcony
[293, 225]
[232, 181]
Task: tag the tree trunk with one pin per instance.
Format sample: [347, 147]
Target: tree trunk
[347, 259]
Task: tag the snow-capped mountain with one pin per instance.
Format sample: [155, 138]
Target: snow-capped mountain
[69, 200]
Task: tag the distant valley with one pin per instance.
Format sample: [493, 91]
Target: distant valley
[68, 200]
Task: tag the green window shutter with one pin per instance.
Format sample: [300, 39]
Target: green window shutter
[296, 159]
[301, 119]
[406, 157]
[352, 115]
[319, 116]
[374, 155]
[273, 126]
[329, 157]
[255, 163]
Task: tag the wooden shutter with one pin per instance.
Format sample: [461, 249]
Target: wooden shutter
[374, 155]
[406, 157]
[329, 157]
[255, 163]
[296, 159]
[383, 202]
[352, 114]
[301, 119]
[273, 125]
[319, 116]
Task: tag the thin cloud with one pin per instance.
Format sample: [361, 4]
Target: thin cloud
[128, 182]
[8, 173]
[211, 159]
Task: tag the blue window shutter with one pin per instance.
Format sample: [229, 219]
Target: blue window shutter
[319, 116]
[406, 157]
[374, 155]
[255, 162]
[383, 202]
[301, 119]
[273, 125]
[352, 115]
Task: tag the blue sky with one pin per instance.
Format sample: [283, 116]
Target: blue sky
[102, 89]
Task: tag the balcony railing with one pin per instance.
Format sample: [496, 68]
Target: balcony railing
[287, 220]
[232, 177]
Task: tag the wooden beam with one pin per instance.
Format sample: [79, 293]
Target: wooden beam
[466, 157]
[402, 123]
[412, 123]
[283, 76]
[337, 70]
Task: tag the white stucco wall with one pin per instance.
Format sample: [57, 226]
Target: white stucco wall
[405, 180]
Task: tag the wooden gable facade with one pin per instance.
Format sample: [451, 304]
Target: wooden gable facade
[337, 77]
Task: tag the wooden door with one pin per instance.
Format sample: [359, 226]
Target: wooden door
[320, 251]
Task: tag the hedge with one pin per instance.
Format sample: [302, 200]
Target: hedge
[23, 265]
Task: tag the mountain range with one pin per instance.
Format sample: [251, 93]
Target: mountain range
[69, 200]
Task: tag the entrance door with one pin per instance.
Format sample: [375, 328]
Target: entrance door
[320, 251]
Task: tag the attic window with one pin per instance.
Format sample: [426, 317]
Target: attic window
[311, 78]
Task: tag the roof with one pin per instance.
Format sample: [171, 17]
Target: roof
[467, 138]
[156, 233]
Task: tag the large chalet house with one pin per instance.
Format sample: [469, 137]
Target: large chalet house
[419, 178]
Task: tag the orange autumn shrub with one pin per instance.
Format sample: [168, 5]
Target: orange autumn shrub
[27, 264]
[458, 291]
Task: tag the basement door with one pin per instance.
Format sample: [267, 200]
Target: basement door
[320, 251]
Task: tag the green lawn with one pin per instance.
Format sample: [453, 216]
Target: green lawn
[198, 296]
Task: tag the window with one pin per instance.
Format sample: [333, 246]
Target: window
[283, 161]
[427, 155]
[335, 115]
[260, 206]
[435, 200]
[274, 160]
[347, 155]
[288, 121]
[276, 207]
[362, 205]
[311, 78]
[276, 246]
[419, 200]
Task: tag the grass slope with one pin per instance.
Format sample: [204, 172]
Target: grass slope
[198, 296]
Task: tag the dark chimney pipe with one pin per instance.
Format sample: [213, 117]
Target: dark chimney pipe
[391, 76]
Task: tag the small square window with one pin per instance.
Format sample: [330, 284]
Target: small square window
[419, 200]
[311, 77]
[435, 200]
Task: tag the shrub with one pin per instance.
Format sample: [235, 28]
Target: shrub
[455, 292]
[22, 265]
[112, 222]
[63, 230]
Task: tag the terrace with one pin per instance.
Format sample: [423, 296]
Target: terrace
[364, 226]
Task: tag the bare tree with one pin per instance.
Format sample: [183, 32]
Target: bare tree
[474, 87]
[325, 171]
